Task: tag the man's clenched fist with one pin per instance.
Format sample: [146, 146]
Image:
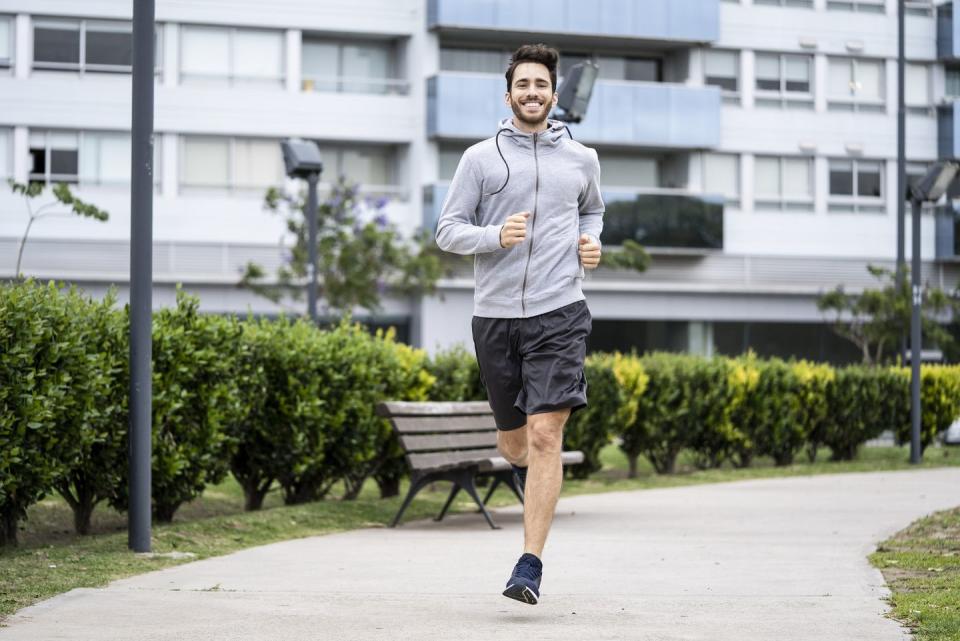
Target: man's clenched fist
[589, 252]
[514, 231]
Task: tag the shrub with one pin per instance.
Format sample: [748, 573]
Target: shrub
[864, 401]
[43, 363]
[590, 428]
[457, 376]
[100, 464]
[939, 403]
[195, 400]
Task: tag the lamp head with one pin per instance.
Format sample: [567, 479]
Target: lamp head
[301, 157]
[575, 91]
[936, 181]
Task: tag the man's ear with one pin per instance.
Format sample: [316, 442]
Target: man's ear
[556, 97]
[506, 98]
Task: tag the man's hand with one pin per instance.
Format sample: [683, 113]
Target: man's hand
[514, 231]
[589, 252]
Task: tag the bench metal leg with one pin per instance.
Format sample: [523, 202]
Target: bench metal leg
[446, 506]
[493, 486]
[415, 486]
[471, 489]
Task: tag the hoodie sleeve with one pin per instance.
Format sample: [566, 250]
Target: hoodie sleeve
[591, 203]
[456, 231]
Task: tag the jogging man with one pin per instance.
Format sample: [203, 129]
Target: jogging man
[527, 204]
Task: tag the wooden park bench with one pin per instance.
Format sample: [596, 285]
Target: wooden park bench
[454, 442]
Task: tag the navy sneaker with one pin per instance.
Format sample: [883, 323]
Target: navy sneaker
[524, 583]
[520, 478]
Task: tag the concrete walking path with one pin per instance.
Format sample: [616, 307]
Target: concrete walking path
[773, 559]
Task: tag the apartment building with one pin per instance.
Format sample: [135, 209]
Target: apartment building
[750, 146]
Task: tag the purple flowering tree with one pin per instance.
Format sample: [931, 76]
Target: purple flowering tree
[360, 254]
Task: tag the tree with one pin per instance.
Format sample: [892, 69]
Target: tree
[875, 319]
[63, 196]
[359, 253]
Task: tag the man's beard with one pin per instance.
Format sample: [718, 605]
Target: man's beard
[539, 119]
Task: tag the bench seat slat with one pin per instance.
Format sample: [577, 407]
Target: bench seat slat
[441, 424]
[454, 441]
[499, 464]
[439, 460]
[411, 408]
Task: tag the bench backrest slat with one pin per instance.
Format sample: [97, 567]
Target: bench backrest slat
[409, 408]
[455, 441]
[439, 459]
[443, 424]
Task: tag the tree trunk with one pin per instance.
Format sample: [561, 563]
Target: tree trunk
[8, 526]
[164, 513]
[254, 493]
[632, 463]
[389, 486]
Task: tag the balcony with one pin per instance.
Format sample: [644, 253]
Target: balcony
[948, 131]
[660, 21]
[467, 106]
[948, 31]
[662, 220]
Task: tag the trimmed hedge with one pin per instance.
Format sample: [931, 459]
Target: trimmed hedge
[284, 403]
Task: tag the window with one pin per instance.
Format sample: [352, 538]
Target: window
[783, 183]
[219, 55]
[917, 89]
[475, 60]
[863, 6]
[372, 167]
[721, 175]
[806, 4]
[618, 169]
[83, 45]
[217, 162]
[54, 156]
[952, 89]
[783, 80]
[856, 186]
[722, 69]
[351, 67]
[919, 7]
[6, 42]
[449, 158]
[83, 157]
[6, 140]
[855, 84]
[628, 68]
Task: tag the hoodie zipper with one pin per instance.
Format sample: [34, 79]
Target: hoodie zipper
[533, 221]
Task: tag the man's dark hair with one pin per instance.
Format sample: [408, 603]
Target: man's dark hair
[547, 56]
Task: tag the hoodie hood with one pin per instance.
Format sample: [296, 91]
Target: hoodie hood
[555, 132]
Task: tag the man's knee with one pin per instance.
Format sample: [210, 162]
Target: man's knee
[512, 445]
[545, 432]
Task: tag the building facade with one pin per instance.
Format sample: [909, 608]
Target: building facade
[750, 146]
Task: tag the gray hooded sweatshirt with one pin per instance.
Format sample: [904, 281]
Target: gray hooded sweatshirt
[554, 178]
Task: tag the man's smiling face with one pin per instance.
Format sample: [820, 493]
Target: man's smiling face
[532, 95]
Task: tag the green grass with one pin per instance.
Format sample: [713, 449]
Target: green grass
[921, 565]
[51, 559]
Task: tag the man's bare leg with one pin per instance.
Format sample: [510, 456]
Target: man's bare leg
[537, 446]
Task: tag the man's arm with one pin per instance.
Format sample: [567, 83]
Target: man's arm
[456, 231]
[591, 204]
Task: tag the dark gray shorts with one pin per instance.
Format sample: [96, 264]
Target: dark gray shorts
[533, 365]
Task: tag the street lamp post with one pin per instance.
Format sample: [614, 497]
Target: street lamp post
[302, 160]
[141, 277]
[928, 189]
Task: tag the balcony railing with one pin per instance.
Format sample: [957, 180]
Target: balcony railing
[467, 106]
[652, 20]
[354, 84]
[671, 220]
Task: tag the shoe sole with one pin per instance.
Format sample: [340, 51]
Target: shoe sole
[521, 593]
